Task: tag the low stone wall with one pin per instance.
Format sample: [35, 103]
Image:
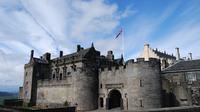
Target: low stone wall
[24, 109]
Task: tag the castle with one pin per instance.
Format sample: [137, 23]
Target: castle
[88, 80]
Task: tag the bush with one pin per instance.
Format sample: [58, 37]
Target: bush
[66, 103]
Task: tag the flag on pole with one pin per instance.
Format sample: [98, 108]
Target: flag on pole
[120, 32]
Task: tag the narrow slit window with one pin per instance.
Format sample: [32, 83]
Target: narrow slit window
[101, 85]
[141, 83]
[54, 76]
[141, 103]
[61, 76]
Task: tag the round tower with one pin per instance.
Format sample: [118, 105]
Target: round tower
[144, 84]
[86, 89]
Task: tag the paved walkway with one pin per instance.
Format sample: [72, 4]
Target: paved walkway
[111, 110]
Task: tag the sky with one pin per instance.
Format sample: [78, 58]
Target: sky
[54, 25]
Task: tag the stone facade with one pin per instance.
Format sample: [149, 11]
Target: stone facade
[88, 80]
[138, 83]
[165, 59]
[181, 83]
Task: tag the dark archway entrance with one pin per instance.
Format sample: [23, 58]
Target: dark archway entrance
[114, 99]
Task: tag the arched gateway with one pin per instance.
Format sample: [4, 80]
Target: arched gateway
[114, 99]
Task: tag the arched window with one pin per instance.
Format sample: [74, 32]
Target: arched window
[101, 102]
[54, 76]
[60, 76]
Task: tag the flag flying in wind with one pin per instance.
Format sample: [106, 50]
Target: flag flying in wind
[120, 32]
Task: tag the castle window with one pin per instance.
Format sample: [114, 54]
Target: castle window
[26, 73]
[54, 76]
[61, 76]
[191, 76]
[73, 67]
[64, 72]
[68, 73]
[101, 85]
[141, 85]
[101, 102]
[141, 103]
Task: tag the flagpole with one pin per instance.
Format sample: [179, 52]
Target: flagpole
[123, 34]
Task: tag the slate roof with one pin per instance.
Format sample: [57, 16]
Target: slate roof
[160, 54]
[189, 65]
[79, 54]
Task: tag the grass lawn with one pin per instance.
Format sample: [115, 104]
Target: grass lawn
[6, 97]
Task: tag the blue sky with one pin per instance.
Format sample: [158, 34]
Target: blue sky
[53, 25]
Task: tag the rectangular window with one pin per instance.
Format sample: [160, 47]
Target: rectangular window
[53, 76]
[191, 76]
[61, 76]
[141, 85]
[101, 85]
[141, 103]
[64, 72]
[101, 102]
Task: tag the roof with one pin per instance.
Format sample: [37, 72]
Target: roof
[81, 53]
[41, 61]
[180, 66]
[160, 54]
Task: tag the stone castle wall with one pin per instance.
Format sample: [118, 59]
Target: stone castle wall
[28, 72]
[138, 82]
[79, 88]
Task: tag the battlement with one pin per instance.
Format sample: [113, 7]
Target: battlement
[131, 63]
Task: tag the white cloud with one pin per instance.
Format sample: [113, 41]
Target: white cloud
[49, 25]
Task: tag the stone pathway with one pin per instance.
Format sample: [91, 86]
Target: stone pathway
[111, 110]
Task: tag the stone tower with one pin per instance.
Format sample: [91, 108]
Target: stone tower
[35, 69]
[30, 82]
[135, 85]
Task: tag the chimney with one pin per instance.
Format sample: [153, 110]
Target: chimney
[78, 48]
[146, 51]
[61, 53]
[110, 56]
[32, 54]
[146, 45]
[190, 55]
[177, 54]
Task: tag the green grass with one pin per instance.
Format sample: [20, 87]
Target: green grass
[2, 98]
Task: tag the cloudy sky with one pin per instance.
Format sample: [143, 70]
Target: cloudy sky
[53, 25]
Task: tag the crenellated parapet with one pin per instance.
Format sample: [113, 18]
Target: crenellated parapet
[152, 62]
[139, 81]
